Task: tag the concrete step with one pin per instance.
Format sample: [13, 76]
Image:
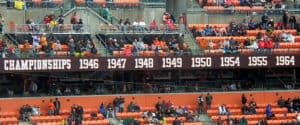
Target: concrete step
[188, 38]
[101, 49]
[205, 119]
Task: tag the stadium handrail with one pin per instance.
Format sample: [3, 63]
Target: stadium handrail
[43, 28]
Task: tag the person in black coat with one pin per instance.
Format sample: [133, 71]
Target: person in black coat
[57, 106]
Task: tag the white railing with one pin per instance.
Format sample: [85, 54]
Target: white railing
[43, 28]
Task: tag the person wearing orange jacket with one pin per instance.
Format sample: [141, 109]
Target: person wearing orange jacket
[51, 108]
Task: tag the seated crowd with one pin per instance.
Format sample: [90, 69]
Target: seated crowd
[270, 4]
[49, 46]
[293, 105]
[249, 108]
[262, 43]
[158, 45]
[77, 115]
[139, 26]
[240, 28]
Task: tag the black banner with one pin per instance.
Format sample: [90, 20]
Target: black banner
[149, 63]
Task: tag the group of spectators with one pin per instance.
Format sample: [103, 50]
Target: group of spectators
[135, 26]
[50, 45]
[293, 105]
[288, 21]
[54, 107]
[204, 104]
[76, 116]
[26, 111]
[167, 109]
[263, 43]
[52, 24]
[117, 106]
[174, 45]
[248, 108]
[230, 3]
[81, 47]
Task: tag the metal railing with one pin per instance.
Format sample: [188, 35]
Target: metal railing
[43, 28]
[118, 52]
[30, 4]
[161, 28]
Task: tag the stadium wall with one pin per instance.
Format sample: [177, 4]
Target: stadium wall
[146, 100]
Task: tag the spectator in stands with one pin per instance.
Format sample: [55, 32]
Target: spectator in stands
[1, 26]
[245, 3]
[127, 51]
[233, 46]
[106, 14]
[36, 111]
[25, 112]
[121, 25]
[296, 104]
[79, 115]
[223, 110]
[244, 99]
[201, 104]
[176, 121]
[153, 26]
[127, 25]
[142, 25]
[51, 107]
[289, 38]
[94, 49]
[261, 46]
[269, 113]
[133, 107]
[264, 21]
[285, 19]
[61, 22]
[102, 109]
[73, 112]
[43, 42]
[245, 109]
[110, 113]
[281, 102]
[243, 121]
[208, 100]
[290, 107]
[74, 18]
[47, 20]
[53, 25]
[292, 22]
[57, 46]
[33, 88]
[219, 121]
[31, 25]
[27, 47]
[119, 104]
[135, 26]
[57, 106]
[263, 122]
[208, 31]
[270, 26]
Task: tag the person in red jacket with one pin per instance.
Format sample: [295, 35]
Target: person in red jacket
[269, 45]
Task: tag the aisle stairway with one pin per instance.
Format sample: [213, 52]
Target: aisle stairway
[191, 42]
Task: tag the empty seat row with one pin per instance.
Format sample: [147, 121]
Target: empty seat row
[9, 121]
